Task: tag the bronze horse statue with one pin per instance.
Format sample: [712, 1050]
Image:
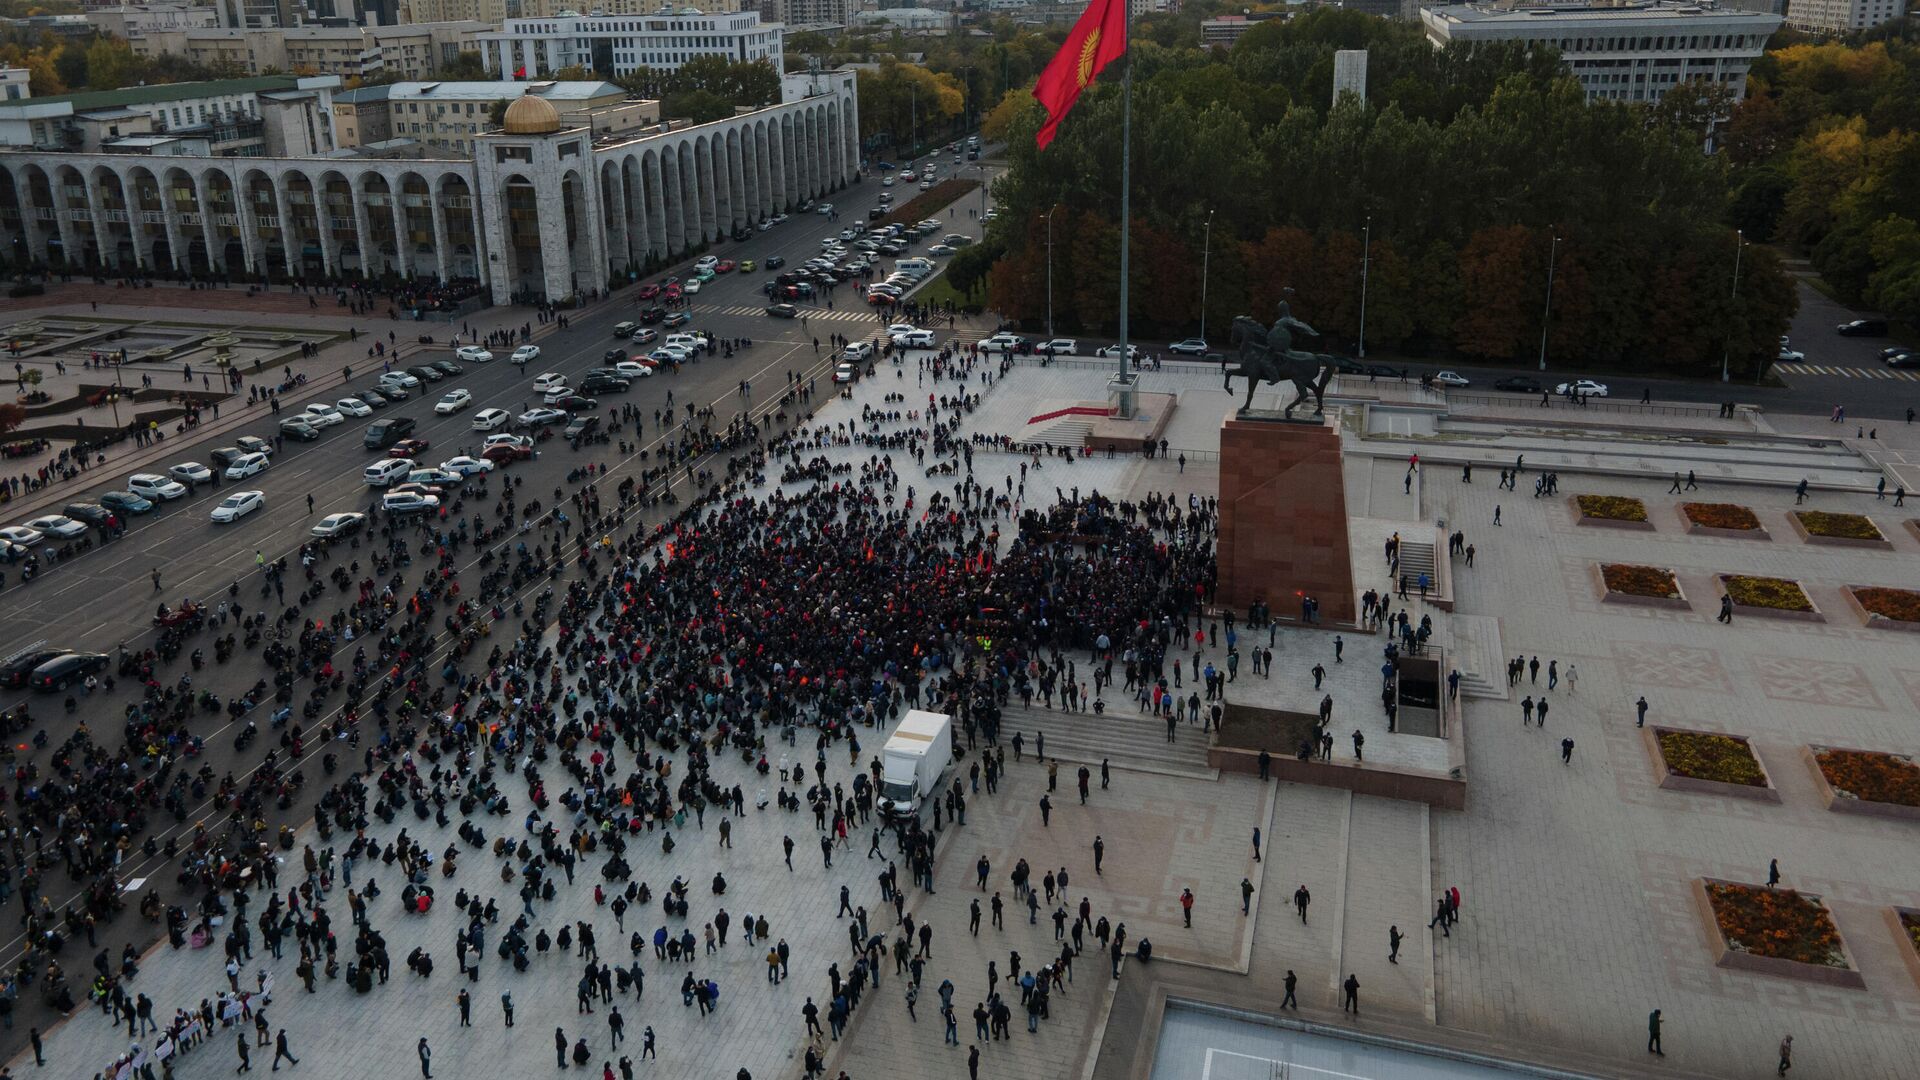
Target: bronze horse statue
[1268, 356]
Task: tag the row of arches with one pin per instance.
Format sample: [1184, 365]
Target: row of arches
[217, 218]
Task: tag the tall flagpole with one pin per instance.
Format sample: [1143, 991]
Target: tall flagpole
[1126, 183]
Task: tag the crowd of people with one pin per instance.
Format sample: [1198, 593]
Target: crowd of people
[791, 598]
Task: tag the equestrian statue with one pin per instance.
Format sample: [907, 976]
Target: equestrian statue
[1268, 355]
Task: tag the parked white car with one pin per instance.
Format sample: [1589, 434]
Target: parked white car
[21, 535]
[473, 354]
[526, 354]
[353, 406]
[238, 505]
[247, 465]
[400, 379]
[155, 487]
[408, 502]
[1060, 346]
[59, 526]
[490, 419]
[467, 466]
[321, 414]
[190, 471]
[386, 471]
[1583, 387]
[452, 402]
[1451, 378]
[338, 525]
[548, 381]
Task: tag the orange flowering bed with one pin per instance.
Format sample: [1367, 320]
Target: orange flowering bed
[1640, 580]
[1720, 758]
[1612, 507]
[1841, 526]
[1720, 515]
[1900, 605]
[1871, 777]
[1779, 923]
[1911, 924]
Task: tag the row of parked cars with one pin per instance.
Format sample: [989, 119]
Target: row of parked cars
[47, 670]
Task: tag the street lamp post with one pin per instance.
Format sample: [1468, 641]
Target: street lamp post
[1740, 245]
[1546, 319]
[1050, 270]
[1206, 255]
[1366, 255]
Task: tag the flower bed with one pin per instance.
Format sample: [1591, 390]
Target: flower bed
[1770, 597]
[1905, 924]
[1722, 759]
[1776, 932]
[1625, 583]
[1844, 530]
[1612, 507]
[1885, 608]
[1867, 781]
[1722, 519]
[1612, 511]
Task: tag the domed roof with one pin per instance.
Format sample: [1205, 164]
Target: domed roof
[531, 115]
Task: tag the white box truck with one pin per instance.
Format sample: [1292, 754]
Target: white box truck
[914, 762]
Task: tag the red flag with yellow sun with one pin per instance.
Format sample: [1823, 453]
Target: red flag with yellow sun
[1098, 39]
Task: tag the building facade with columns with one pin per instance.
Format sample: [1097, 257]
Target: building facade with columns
[540, 209]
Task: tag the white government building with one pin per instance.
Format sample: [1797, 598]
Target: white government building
[613, 45]
[539, 208]
[1630, 52]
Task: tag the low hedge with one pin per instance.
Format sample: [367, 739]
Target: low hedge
[1900, 605]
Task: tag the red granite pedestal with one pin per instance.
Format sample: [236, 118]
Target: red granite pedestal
[1283, 518]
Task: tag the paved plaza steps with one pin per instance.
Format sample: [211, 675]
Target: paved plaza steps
[1131, 739]
[1387, 875]
[1416, 558]
[1474, 650]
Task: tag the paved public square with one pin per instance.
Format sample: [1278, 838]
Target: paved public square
[1576, 915]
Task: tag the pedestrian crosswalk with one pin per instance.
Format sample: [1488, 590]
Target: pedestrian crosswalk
[832, 315]
[1846, 372]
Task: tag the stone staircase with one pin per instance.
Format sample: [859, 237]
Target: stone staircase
[1416, 558]
[1068, 430]
[1131, 740]
[1474, 650]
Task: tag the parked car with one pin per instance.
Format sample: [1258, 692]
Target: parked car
[254, 444]
[156, 487]
[426, 373]
[408, 502]
[407, 448]
[238, 505]
[526, 354]
[1450, 378]
[447, 367]
[1517, 384]
[125, 502]
[1583, 387]
[474, 354]
[466, 465]
[353, 407]
[490, 419]
[58, 674]
[1192, 346]
[386, 471]
[337, 525]
[295, 427]
[90, 512]
[59, 526]
[385, 432]
[247, 465]
[21, 535]
[18, 669]
[452, 402]
[578, 426]
[1791, 356]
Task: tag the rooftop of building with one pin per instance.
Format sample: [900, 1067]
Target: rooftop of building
[486, 90]
[1512, 12]
[157, 93]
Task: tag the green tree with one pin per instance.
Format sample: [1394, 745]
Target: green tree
[465, 66]
[699, 106]
[111, 64]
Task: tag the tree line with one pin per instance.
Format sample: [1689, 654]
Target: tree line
[1824, 157]
[1463, 177]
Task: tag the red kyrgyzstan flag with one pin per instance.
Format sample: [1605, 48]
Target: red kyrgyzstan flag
[1098, 39]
